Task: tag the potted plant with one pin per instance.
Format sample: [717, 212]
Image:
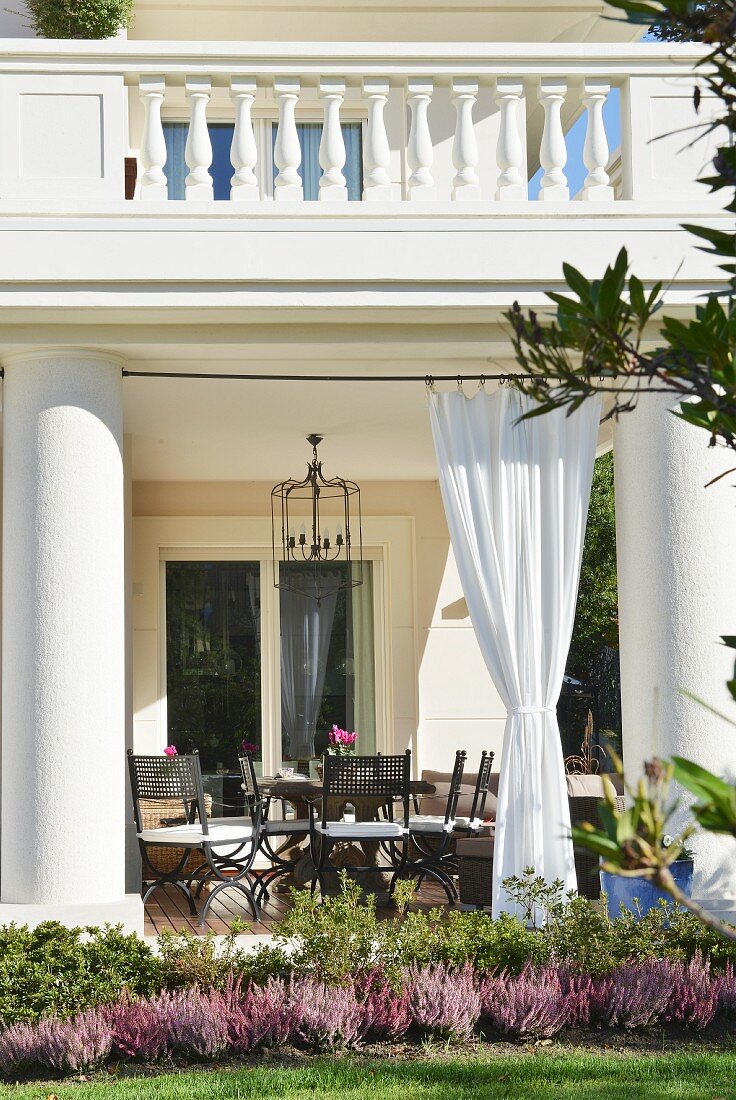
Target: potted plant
[639, 895]
[339, 743]
[93, 19]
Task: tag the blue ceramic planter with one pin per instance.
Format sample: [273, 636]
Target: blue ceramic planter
[621, 890]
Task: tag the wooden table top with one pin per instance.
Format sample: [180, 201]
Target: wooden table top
[312, 788]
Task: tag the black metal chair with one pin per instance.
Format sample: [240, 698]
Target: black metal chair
[228, 849]
[474, 822]
[432, 854]
[346, 778]
[271, 831]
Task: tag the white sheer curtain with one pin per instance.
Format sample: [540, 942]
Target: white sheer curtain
[306, 630]
[516, 498]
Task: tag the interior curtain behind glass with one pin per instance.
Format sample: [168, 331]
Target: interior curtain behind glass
[310, 135]
[306, 630]
[175, 169]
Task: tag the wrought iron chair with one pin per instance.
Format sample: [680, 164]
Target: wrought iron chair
[228, 849]
[271, 830]
[432, 853]
[474, 821]
[345, 778]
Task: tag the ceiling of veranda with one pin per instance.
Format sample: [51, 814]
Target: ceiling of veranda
[214, 430]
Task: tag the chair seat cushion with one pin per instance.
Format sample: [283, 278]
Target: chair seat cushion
[193, 836]
[361, 830]
[429, 823]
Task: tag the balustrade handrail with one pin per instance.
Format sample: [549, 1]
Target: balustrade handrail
[222, 60]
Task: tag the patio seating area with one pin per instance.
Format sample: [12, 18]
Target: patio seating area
[200, 872]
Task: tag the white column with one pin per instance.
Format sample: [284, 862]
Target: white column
[332, 185]
[198, 149]
[377, 185]
[420, 153]
[553, 151]
[63, 637]
[243, 151]
[466, 184]
[677, 596]
[595, 152]
[510, 151]
[287, 153]
[153, 146]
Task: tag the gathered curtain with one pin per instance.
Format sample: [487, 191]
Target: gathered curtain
[516, 496]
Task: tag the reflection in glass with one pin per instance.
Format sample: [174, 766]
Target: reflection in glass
[213, 659]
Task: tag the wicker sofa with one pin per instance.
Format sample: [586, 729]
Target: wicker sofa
[475, 854]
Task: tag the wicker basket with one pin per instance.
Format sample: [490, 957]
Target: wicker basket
[154, 812]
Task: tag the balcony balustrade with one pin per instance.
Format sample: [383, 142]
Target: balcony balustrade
[438, 126]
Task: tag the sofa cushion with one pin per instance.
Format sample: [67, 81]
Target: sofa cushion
[477, 847]
[591, 786]
[437, 802]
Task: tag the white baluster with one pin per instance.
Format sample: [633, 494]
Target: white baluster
[332, 185]
[153, 146]
[466, 184]
[553, 152]
[510, 151]
[595, 154]
[243, 151]
[287, 153]
[420, 153]
[198, 149]
[377, 186]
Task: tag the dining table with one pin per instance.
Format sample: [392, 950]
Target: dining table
[300, 792]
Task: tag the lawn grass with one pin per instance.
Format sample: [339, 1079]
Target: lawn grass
[531, 1075]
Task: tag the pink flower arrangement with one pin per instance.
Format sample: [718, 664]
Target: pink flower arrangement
[248, 747]
[340, 742]
[170, 750]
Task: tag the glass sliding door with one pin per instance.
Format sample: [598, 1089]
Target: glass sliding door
[327, 666]
[213, 659]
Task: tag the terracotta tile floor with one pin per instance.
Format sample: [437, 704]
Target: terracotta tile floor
[167, 909]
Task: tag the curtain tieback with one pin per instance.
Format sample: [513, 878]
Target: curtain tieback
[530, 710]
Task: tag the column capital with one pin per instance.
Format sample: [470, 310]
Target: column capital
[77, 354]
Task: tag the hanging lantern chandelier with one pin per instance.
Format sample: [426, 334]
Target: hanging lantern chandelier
[317, 551]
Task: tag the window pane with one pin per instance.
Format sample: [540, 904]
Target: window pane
[213, 659]
[310, 135]
[175, 170]
[327, 665]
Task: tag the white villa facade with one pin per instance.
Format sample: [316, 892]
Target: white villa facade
[413, 229]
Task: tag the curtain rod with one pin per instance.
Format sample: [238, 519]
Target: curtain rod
[426, 378]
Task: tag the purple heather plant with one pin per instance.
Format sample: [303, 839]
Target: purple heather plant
[727, 991]
[76, 1044]
[695, 994]
[263, 1016]
[531, 1002]
[443, 1001]
[196, 1021]
[633, 995]
[138, 1029]
[386, 1011]
[330, 1016]
[20, 1046]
